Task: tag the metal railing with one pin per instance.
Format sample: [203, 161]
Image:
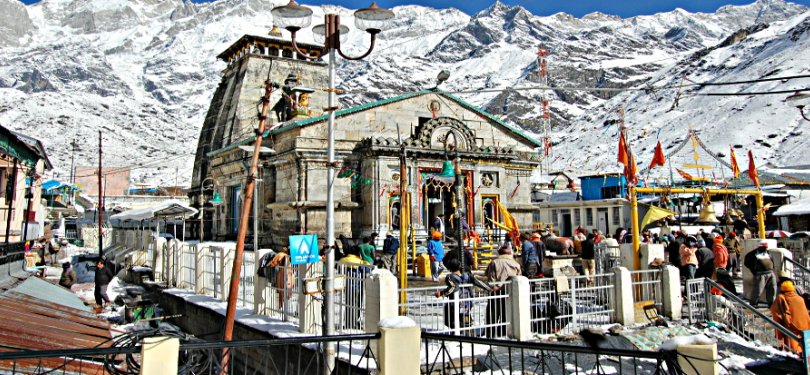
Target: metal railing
[607, 257]
[695, 300]
[743, 319]
[350, 302]
[449, 354]
[299, 355]
[648, 287]
[282, 292]
[246, 281]
[580, 303]
[12, 248]
[471, 311]
[188, 256]
[800, 273]
[212, 272]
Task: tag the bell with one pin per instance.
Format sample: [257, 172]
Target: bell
[447, 170]
[707, 215]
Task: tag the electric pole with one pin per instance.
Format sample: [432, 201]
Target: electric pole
[100, 203]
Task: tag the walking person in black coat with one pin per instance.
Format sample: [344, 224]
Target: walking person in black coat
[103, 276]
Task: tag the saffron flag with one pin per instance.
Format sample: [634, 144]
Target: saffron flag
[735, 168]
[509, 222]
[655, 214]
[622, 158]
[689, 177]
[658, 159]
[752, 169]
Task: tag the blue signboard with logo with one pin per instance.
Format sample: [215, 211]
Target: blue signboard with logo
[304, 249]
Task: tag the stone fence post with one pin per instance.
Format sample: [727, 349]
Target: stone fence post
[399, 346]
[199, 268]
[159, 355]
[624, 296]
[520, 309]
[671, 288]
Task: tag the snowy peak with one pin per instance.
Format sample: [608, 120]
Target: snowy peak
[14, 22]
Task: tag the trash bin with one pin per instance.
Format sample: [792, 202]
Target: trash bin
[423, 265]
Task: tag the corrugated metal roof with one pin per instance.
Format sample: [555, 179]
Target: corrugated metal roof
[351, 110]
[41, 289]
[48, 322]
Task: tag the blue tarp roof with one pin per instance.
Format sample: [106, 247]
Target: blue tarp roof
[55, 184]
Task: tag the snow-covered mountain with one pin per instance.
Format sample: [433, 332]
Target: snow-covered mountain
[143, 72]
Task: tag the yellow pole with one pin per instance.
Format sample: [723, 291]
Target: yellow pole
[760, 215]
[635, 229]
[404, 217]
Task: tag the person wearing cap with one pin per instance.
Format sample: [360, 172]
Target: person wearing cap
[500, 269]
[732, 243]
[789, 310]
[68, 277]
[435, 250]
[540, 247]
[760, 262]
[689, 260]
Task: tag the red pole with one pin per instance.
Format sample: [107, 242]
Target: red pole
[100, 203]
[244, 217]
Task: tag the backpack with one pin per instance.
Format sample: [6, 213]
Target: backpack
[391, 245]
[264, 263]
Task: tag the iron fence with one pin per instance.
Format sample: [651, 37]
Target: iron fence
[469, 311]
[299, 355]
[188, 267]
[607, 257]
[800, 273]
[743, 319]
[648, 287]
[695, 300]
[212, 272]
[246, 281]
[350, 302]
[449, 354]
[570, 305]
[282, 293]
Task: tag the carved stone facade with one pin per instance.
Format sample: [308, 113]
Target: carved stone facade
[495, 158]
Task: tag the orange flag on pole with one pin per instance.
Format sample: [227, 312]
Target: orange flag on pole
[658, 159]
[735, 168]
[752, 169]
[622, 158]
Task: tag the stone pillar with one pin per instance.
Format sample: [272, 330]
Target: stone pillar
[624, 296]
[699, 359]
[673, 304]
[381, 298]
[158, 265]
[259, 285]
[748, 277]
[626, 260]
[159, 355]
[399, 346]
[520, 309]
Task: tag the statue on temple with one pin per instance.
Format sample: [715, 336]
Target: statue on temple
[286, 106]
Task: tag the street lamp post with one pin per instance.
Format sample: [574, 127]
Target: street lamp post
[372, 20]
[216, 200]
[799, 100]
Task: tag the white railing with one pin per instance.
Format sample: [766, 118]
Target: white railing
[212, 272]
[350, 302]
[575, 303]
[471, 311]
[246, 280]
[695, 300]
[188, 256]
[282, 293]
[606, 257]
[648, 287]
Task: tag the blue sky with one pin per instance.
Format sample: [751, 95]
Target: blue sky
[624, 8]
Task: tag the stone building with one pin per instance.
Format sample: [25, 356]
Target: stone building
[496, 158]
